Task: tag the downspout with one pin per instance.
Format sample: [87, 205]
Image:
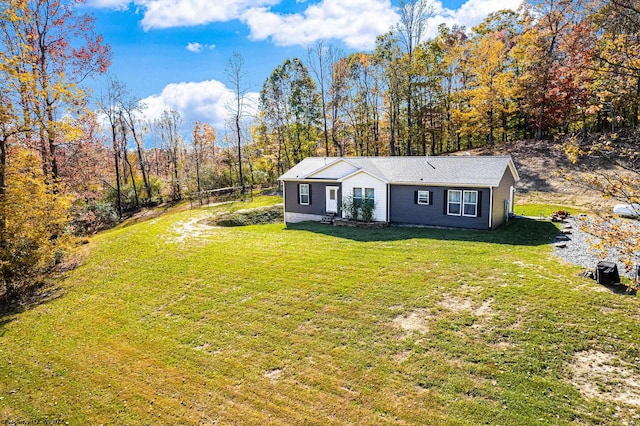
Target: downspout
[388, 201]
[490, 208]
[512, 195]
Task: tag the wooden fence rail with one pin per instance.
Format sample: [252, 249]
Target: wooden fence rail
[219, 195]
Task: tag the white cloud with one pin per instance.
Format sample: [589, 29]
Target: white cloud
[199, 47]
[356, 22]
[207, 101]
[110, 4]
[176, 13]
[469, 14]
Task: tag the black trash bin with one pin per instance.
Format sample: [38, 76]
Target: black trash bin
[607, 273]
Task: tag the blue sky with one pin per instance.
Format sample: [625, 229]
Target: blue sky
[173, 53]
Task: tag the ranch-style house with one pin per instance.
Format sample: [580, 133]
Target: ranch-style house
[473, 192]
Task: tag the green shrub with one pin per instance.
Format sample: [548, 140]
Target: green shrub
[366, 210]
[272, 214]
[358, 209]
[351, 207]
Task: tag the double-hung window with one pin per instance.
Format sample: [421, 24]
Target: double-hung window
[470, 203]
[423, 197]
[357, 196]
[453, 202]
[363, 195]
[462, 203]
[369, 195]
[303, 193]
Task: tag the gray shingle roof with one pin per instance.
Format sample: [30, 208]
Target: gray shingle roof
[453, 170]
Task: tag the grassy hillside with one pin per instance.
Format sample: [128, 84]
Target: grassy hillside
[170, 321]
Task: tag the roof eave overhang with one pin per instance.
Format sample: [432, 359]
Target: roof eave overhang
[302, 179]
[447, 184]
[365, 172]
[330, 164]
[514, 171]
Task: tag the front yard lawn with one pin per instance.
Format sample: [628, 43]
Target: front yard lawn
[172, 321]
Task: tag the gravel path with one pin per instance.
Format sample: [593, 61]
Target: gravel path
[578, 247]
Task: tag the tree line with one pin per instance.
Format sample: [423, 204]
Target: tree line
[71, 164]
[68, 168]
[551, 67]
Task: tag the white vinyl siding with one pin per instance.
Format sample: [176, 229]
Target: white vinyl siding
[377, 190]
[303, 190]
[423, 197]
[335, 171]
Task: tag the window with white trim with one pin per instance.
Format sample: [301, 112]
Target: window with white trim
[303, 191]
[454, 200]
[423, 197]
[357, 194]
[363, 195]
[470, 203]
[462, 203]
[369, 194]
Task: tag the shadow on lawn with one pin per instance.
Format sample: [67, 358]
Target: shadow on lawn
[28, 298]
[519, 231]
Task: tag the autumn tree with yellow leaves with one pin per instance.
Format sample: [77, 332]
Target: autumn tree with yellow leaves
[33, 216]
[46, 50]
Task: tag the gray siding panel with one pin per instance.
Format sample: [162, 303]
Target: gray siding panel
[501, 194]
[404, 210]
[318, 193]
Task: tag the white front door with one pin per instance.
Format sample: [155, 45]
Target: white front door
[332, 199]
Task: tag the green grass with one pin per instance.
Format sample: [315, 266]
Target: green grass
[271, 325]
[543, 210]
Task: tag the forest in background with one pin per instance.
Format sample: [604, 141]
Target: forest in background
[71, 164]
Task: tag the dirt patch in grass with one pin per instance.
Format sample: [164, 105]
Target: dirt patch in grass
[401, 356]
[414, 321]
[203, 347]
[273, 375]
[604, 376]
[484, 309]
[456, 303]
[191, 229]
[461, 304]
[502, 345]
[471, 288]
[307, 328]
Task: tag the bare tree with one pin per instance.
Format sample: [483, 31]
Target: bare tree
[235, 73]
[322, 59]
[130, 107]
[413, 23]
[109, 104]
[167, 127]
[124, 131]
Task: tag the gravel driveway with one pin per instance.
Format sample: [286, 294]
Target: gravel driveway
[578, 248]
